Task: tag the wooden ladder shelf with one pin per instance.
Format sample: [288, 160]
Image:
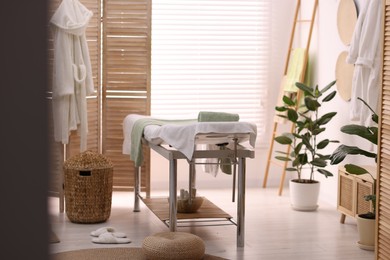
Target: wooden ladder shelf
[302, 78]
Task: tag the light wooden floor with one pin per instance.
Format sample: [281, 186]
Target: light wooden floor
[273, 230]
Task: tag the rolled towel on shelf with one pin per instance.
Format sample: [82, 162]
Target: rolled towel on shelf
[206, 116]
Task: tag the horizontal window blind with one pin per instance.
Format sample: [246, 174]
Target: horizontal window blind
[210, 56]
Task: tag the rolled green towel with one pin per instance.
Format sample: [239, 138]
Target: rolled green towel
[206, 116]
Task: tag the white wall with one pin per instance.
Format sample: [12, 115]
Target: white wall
[325, 48]
[329, 46]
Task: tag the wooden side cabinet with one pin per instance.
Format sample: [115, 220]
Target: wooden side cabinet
[351, 191]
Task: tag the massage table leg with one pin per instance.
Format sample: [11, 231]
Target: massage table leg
[241, 203]
[192, 180]
[172, 194]
[137, 188]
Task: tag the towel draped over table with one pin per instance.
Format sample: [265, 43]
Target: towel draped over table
[179, 134]
[136, 154]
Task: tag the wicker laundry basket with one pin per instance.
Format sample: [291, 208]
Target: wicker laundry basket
[88, 187]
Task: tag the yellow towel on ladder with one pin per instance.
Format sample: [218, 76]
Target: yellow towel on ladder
[294, 70]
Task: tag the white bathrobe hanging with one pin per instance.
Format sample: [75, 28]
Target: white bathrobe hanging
[72, 78]
[365, 53]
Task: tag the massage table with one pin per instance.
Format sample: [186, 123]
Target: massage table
[181, 140]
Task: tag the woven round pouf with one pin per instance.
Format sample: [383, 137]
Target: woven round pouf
[172, 246]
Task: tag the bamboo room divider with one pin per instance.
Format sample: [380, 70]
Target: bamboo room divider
[126, 81]
[383, 184]
[119, 40]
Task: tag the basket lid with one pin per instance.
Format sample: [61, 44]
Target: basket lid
[88, 160]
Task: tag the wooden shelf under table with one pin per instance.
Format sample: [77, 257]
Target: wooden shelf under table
[208, 210]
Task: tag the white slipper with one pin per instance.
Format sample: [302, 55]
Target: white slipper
[109, 238]
[111, 230]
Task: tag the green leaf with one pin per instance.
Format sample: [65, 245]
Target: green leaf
[292, 115]
[300, 125]
[354, 169]
[281, 109]
[317, 92]
[323, 157]
[374, 116]
[300, 159]
[328, 86]
[291, 169]
[283, 140]
[297, 136]
[281, 158]
[343, 150]
[298, 148]
[306, 142]
[311, 104]
[288, 101]
[323, 144]
[318, 162]
[281, 152]
[318, 131]
[325, 172]
[306, 89]
[329, 97]
[371, 197]
[324, 119]
[368, 133]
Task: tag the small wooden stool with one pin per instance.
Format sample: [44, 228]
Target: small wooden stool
[172, 246]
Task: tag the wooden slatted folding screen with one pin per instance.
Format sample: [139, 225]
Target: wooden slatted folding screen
[383, 185]
[122, 85]
[126, 80]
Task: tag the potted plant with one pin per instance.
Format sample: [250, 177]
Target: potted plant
[365, 221]
[305, 143]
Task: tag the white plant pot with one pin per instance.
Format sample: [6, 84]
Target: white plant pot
[366, 228]
[304, 196]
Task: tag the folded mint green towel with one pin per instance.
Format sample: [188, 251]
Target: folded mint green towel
[137, 131]
[205, 116]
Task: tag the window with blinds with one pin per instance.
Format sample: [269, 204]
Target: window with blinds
[211, 56]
